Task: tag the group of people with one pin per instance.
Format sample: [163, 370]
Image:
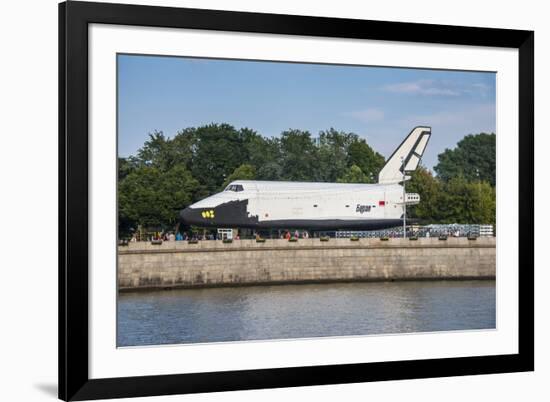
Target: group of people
[165, 236]
[287, 235]
[427, 231]
[436, 233]
[178, 236]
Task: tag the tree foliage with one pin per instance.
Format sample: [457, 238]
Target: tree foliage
[152, 198]
[243, 172]
[363, 156]
[463, 201]
[454, 201]
[429, 189]
[298, 155]
[332, 152]
[217, 151]
[339, 151]
[474, 158]
[354, 175]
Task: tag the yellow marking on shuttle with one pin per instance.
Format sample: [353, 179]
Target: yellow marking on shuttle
[208, 214]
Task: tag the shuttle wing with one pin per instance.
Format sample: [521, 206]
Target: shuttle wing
[406, 157]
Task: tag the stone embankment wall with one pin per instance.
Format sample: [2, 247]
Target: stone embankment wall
[245, 262]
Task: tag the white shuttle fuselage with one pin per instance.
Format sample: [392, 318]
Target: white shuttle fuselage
[316, 206]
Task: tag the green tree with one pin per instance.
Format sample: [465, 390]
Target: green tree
[354, 174]
[484, 196]
[270, 171]
[182, 147]
[332, 153]
[299, 156]
[157, 152]
[259, 150]
[243, 172]
[462, 201]
[429, 188]
[217, 151]
[152, 198]
[362, 155]
[474, 158]
[126, 166]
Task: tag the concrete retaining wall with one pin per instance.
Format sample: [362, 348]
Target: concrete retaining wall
[245, 262]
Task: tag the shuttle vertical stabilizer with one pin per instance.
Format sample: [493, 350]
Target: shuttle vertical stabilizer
[406, 157]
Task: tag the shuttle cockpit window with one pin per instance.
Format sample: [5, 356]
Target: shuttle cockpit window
[234, 187]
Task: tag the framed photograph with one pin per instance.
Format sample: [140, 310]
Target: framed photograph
[257, 200]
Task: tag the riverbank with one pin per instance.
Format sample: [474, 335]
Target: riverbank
[212, 263]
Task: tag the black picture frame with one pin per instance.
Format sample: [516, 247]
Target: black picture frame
[74, 18]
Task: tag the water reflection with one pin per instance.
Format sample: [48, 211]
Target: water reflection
[296, 311]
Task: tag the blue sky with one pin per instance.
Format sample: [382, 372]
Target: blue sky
[380, 104]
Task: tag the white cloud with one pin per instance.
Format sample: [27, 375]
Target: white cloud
[423, 87]
[482, 115]
[479, 88]
[367, 115]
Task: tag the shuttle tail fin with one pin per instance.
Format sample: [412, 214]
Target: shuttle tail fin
[406, 157]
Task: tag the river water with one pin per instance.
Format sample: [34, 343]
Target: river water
[303, 311]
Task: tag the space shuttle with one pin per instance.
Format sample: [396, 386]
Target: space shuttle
[259, 205]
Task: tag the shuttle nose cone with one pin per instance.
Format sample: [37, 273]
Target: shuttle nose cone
[198, 217]
[189, 216]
